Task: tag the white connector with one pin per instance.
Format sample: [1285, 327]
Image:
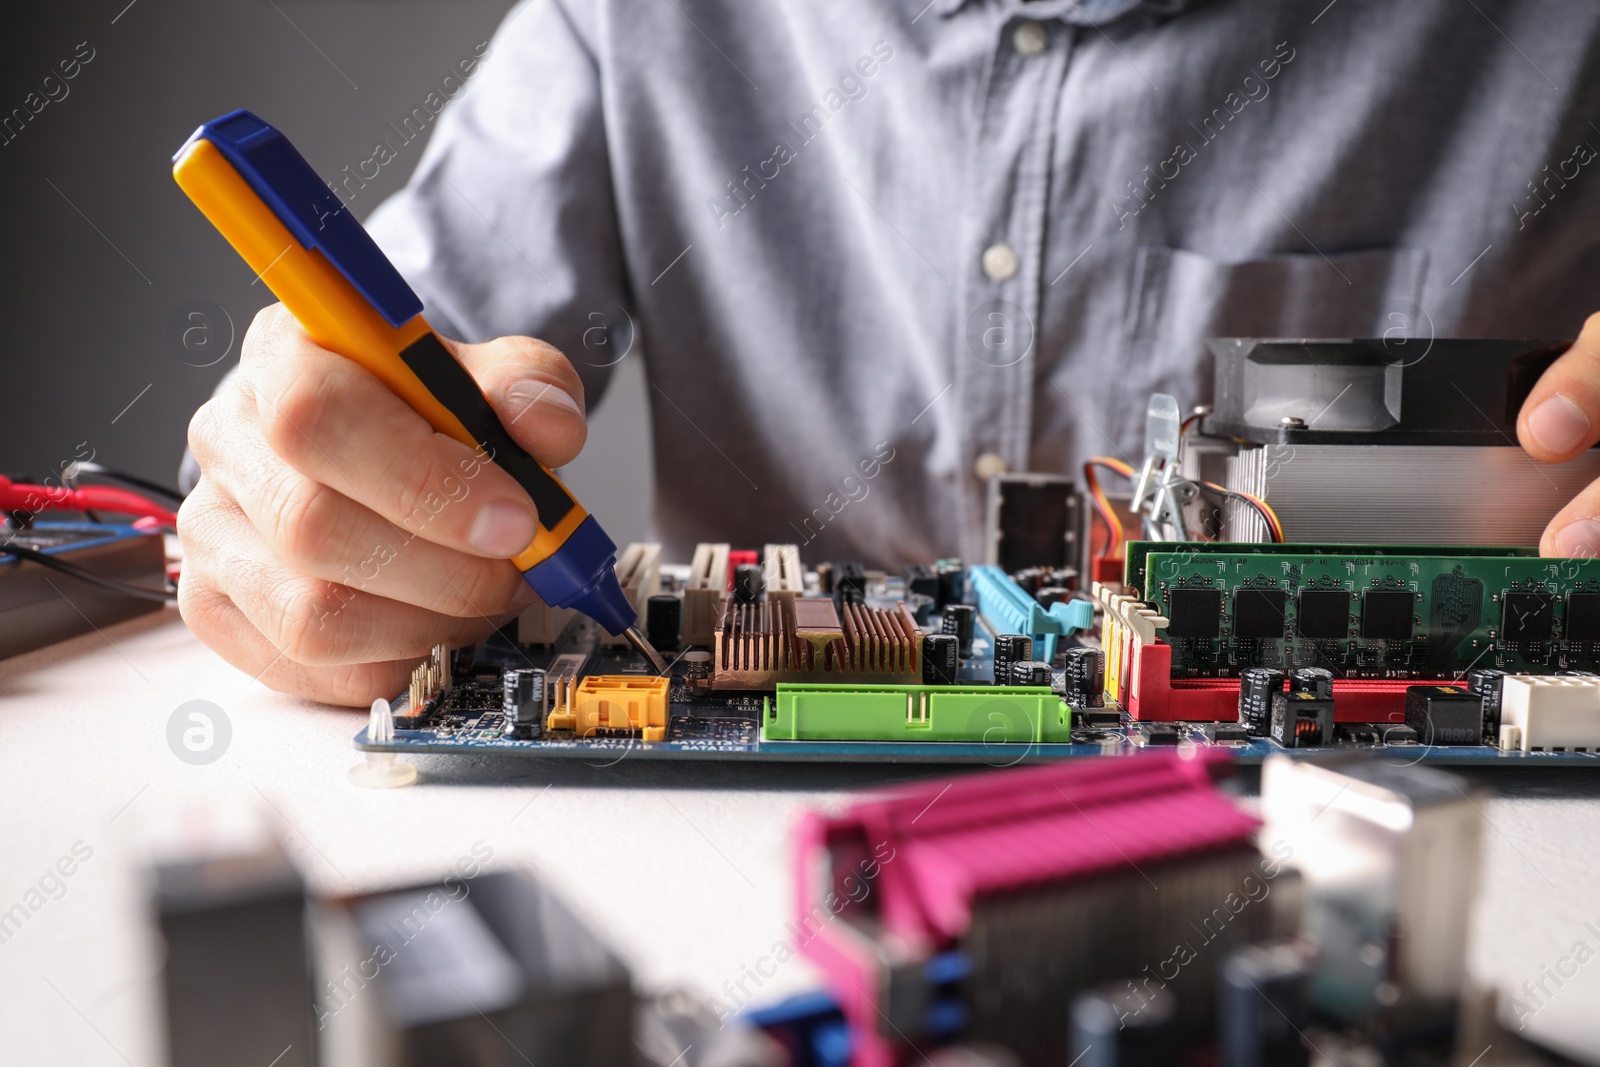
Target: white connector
[1546, 712]
[786, 579]
[541, 624]
[702, 598]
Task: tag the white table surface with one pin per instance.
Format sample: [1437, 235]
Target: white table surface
[682, 867]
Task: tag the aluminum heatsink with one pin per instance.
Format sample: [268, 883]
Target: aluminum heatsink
[1382, 440]
[1403, 494]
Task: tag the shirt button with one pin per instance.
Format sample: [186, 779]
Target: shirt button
[1000, 262]
[989, 465]
[1030, 38]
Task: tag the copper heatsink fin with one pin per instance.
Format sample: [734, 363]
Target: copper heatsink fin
[759, 645]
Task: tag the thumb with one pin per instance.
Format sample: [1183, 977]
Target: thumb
[1561, 417]
[534, 391]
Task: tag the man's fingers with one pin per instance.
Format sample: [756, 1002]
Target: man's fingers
[213, 616]
[536, 393]
[1561, 417]
[1575, 531]
[327, 535]
[337, 424]
[312, 621]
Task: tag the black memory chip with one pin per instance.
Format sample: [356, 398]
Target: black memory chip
[1527, 617]
[1387, 614]
[1258, 614]
[1323, 614]
[1583, 617]
[1194, 613]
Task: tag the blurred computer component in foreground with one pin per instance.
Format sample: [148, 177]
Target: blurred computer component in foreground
[1130, 912]
[479, 968]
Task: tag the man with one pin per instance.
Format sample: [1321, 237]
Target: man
[874, 254]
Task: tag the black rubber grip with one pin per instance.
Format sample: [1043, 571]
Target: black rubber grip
[453, 387]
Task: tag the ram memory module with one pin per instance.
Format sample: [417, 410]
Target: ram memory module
[1368, 611]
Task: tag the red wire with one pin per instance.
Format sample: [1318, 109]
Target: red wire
[24, 496]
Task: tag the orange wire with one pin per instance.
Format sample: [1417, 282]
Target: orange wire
[1114, 524]
[1108, 513]
[1262, 508]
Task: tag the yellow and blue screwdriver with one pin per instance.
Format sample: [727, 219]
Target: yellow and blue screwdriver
[297, 236]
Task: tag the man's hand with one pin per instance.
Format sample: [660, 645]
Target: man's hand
[1560, 420]
[334, 537]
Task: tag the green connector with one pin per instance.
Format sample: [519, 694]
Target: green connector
[990, 714]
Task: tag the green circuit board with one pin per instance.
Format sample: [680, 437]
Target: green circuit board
[1369, 611]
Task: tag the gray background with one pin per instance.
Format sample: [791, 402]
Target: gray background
[101, 247]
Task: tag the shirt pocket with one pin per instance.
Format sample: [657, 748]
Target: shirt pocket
[1180, 298]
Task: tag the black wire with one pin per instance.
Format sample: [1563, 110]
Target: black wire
[83, 574]
[88, 467]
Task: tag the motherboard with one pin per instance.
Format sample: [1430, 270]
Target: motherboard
[1444, 655]
[1274, 598]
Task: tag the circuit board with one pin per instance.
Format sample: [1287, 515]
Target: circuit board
[996, 725]
[1371, 612]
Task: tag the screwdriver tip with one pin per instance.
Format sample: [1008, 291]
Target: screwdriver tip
[646, 649]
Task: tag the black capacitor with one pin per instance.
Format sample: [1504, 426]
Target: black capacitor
[1124, 1024]
[1030, 672]
[1085, 676]
[1256, 686]
[663, 620]
[749, 583]
[1010, 649]
[1030, 578]
[940, 659]
[920, 578]
[1261, 1007]
[1487, 683]
[524, 703]
[850, 583]
[1065, 577]
[958, 619]
[952, 583]
[1318, 681]
[1052, 594]
[921, 607]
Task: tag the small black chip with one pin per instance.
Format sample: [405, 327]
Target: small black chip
[1583, 617]
[1194, 613]
[1527, 617]
[1160, 733]
[1445, 714]
[1097, 718]
[1387, 614]
[1258, 614]
[1323, 614]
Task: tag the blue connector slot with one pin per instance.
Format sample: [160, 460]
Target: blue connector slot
[1009, 609]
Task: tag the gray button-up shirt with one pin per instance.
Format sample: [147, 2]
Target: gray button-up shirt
[868, 250]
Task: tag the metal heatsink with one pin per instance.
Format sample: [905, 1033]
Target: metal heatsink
[806, 640]
[1403, 494]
